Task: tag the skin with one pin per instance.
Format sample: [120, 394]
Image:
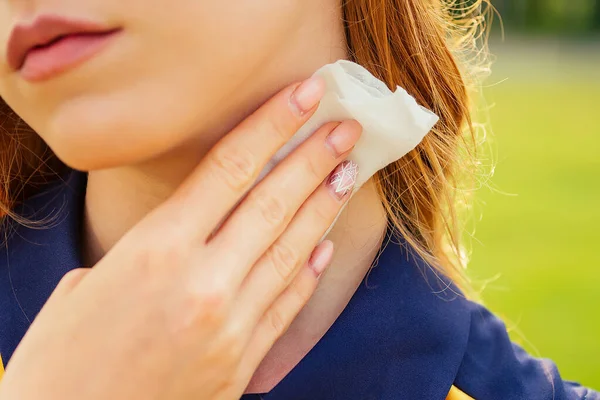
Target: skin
[179, 309]
[142, 114]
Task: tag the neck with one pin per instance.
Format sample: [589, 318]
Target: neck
[118, 198]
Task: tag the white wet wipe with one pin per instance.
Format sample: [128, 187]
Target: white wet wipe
[393, 123]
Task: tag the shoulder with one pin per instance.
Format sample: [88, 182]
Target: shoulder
[494, 367]
[36, 254]
[420, 296]
[451, 340]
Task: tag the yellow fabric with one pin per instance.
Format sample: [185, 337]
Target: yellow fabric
[1, 367]
[456, 394]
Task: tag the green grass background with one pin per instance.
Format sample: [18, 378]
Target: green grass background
[537, 244]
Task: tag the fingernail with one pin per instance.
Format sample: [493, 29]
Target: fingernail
[307, 95]
[343, 178]
[321, 257]
[343, 137]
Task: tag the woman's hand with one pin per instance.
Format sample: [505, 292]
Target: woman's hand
[179, 309]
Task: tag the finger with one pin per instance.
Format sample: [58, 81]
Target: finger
[234, 163]
[278, 318]
[276, 269]
[259, 220]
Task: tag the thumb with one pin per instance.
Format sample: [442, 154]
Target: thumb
[68, 282]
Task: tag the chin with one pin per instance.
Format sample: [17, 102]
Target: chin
[87, 158]
[98, 154]
[92, 138]
[88, 149]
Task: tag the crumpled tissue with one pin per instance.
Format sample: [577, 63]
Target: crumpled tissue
[393, 123]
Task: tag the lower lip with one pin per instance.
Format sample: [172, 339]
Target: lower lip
[45, 62]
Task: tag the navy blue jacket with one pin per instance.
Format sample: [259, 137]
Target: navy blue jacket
[401, 337]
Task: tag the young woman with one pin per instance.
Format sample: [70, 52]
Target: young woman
[161, 104]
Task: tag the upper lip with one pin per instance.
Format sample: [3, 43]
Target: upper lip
[44, 30]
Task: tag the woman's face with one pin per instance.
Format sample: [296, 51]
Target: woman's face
[175, 70]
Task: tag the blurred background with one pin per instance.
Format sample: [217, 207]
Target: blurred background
[535, 252]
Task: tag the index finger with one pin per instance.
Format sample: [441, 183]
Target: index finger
[233, 165]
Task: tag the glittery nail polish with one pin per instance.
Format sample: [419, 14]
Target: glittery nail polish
[342, 179]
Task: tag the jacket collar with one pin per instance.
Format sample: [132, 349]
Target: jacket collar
[403, 332]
